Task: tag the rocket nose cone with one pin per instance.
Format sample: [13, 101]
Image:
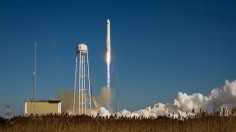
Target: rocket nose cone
[108, 21]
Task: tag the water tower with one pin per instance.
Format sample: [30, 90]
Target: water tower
[82, 91]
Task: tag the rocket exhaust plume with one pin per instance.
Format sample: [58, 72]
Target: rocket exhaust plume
[108, 53]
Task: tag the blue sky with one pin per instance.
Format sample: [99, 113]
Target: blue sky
[159, 48]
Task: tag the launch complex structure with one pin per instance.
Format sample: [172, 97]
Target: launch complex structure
[82, 86]
[82, 99]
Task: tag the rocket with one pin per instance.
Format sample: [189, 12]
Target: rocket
[108, 54]
[108, 39]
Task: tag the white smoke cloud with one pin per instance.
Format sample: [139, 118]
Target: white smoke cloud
[184, 104]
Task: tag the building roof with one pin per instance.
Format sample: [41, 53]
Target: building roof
[49, 101]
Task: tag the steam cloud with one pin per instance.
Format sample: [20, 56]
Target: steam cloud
[217, 99]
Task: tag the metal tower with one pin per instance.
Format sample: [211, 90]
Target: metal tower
[82, 90]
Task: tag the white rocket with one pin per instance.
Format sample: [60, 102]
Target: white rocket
[108, 40]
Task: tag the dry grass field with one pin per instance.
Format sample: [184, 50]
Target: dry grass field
[201, 122]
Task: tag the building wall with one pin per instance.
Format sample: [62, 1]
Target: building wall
[42, 107]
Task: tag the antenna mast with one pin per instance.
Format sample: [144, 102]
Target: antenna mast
[34, 73]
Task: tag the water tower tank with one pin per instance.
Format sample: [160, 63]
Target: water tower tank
[82, 48]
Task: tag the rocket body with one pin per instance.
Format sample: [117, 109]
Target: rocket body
[108, 39]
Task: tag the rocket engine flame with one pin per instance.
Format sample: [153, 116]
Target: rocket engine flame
[108, 58]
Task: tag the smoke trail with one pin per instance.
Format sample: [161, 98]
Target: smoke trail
[108, 60]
